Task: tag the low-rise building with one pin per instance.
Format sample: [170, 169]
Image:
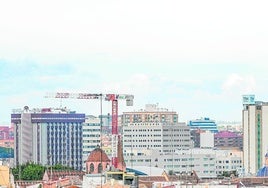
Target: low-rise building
[207, 163]
[204, 124]
[228, 139]
[203, 161]
[228, 161]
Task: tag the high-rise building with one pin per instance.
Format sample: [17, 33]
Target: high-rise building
[203, 124]
[48, 136]
[255, 128]
[165, 138]
[151, 134]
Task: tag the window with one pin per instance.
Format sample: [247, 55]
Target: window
[99, 168]
[91, 167]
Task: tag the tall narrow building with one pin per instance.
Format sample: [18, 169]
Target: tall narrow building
[255, 129]
[48, 136]
[91, 137]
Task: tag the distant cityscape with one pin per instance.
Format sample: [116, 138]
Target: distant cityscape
[151, 138]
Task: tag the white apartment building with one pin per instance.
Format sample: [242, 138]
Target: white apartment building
[207, 163]
[228, 161]
[162, 137]
[91, 136]
[255, 139]
[179, 162]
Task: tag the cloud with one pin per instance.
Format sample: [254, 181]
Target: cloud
[172, 52]
[172, 30]
[236, 83]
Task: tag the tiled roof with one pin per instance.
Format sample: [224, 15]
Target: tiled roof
[151, 178]
[98, 155]
[148, 180]
[56, 174]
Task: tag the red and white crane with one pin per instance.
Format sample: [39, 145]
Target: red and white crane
[107, 97]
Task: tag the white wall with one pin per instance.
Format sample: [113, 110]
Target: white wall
[206, 139]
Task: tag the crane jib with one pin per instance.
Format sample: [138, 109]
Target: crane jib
[108, 97]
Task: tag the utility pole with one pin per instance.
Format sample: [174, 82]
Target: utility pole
[101, 136]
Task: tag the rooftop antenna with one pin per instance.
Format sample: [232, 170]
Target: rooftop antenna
[60, 102]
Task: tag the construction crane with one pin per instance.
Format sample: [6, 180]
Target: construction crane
[107, 97]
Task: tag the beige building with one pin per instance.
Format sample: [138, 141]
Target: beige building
[255, 128]
[4, 176]
[151, 113]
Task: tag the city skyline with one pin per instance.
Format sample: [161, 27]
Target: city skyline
[195, 58]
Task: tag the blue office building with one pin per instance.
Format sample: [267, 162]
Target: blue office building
[48, 137]
[203, 124]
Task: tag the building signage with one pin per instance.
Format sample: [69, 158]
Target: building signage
[248, 99]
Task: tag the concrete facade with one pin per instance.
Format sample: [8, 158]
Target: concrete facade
[206, 139]
[255, 139]
[91, 137]
[165, 138]
[151, 113]
[207, 163]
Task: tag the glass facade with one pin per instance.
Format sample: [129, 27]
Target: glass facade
[56, 138]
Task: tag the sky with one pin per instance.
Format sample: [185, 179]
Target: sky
[194, 57]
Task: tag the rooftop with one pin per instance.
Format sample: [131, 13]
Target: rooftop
[226, 134]
[98, 155]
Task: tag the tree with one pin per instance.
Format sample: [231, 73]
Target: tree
[170, 172]
[33, 172]
[229, 173]
[28, 171]
[17, 172]
[61, 167]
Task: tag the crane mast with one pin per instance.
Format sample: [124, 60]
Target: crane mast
[107, 97]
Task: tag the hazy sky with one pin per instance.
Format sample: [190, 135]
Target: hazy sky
[195, 57]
